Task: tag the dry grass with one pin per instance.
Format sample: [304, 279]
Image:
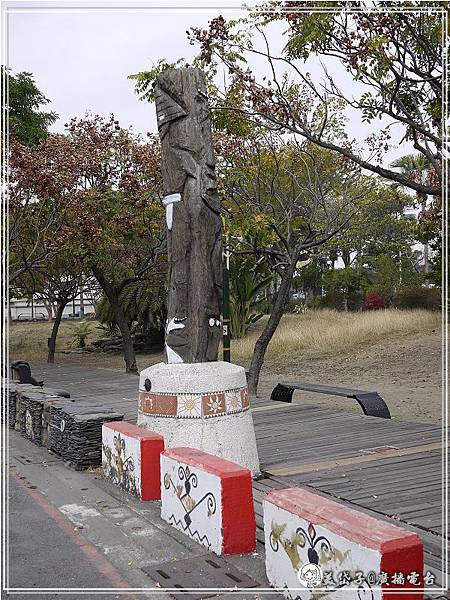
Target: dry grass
[316, 333]
[29, 340]
[328, 332]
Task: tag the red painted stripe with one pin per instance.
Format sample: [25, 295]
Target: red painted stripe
[238, 514]
[150, 468]
[133, 430]
[98, 560]
[400, 557]
[347, 522]
[207, 462]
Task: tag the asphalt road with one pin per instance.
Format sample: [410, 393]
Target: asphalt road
[41, 553]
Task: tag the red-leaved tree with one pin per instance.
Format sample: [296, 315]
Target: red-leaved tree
[102, 184]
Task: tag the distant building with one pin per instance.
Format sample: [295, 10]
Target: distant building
[23, 309]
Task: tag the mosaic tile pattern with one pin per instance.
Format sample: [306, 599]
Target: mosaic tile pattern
[158, 404]
[194, 406]
[233, 401]
[214, 404]
[189, 405]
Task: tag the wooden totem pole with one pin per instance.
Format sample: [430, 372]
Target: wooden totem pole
[192, 399]
[193, 217]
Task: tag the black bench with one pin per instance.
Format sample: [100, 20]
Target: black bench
[21, 373]
[372, 403]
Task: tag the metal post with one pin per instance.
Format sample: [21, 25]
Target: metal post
[226, 300]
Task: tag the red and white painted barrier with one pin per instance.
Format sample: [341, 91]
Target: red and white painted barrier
[209, 499]
[359, 556]
[131, 458]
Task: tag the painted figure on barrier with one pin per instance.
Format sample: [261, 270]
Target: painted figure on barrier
[117, 466]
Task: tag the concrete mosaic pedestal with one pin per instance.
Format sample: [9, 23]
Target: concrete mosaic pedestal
[200, 405]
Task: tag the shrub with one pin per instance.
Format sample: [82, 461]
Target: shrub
[300, 308]
[333, 299]
[313, 303]
[109, 329]
[373, 301]
[290, 306]
[248, 281]
[418, 297]
[355, 300]
[80, 332]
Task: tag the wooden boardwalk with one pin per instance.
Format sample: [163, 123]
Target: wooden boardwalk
[390, 469]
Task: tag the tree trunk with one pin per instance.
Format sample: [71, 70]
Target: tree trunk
[119, 319]
[81, 302]
[56, 323]
[426, 262]
[346, 258]
[50, 310]
[263, 341]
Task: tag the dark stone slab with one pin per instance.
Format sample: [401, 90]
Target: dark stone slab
[75, 432]
[26, 406]
[13, 397]
[30, 416]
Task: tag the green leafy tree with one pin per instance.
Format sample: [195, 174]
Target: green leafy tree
[310, 278]
[143, 303]
[56, 281]
[395, 57]
[429, 230]
[285, 200]
[389, 273]
[39, 177]
[379, 234]
[343, 288]
[28, 123]
[80, 332]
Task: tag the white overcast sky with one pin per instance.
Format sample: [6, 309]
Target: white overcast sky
[81, 54]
